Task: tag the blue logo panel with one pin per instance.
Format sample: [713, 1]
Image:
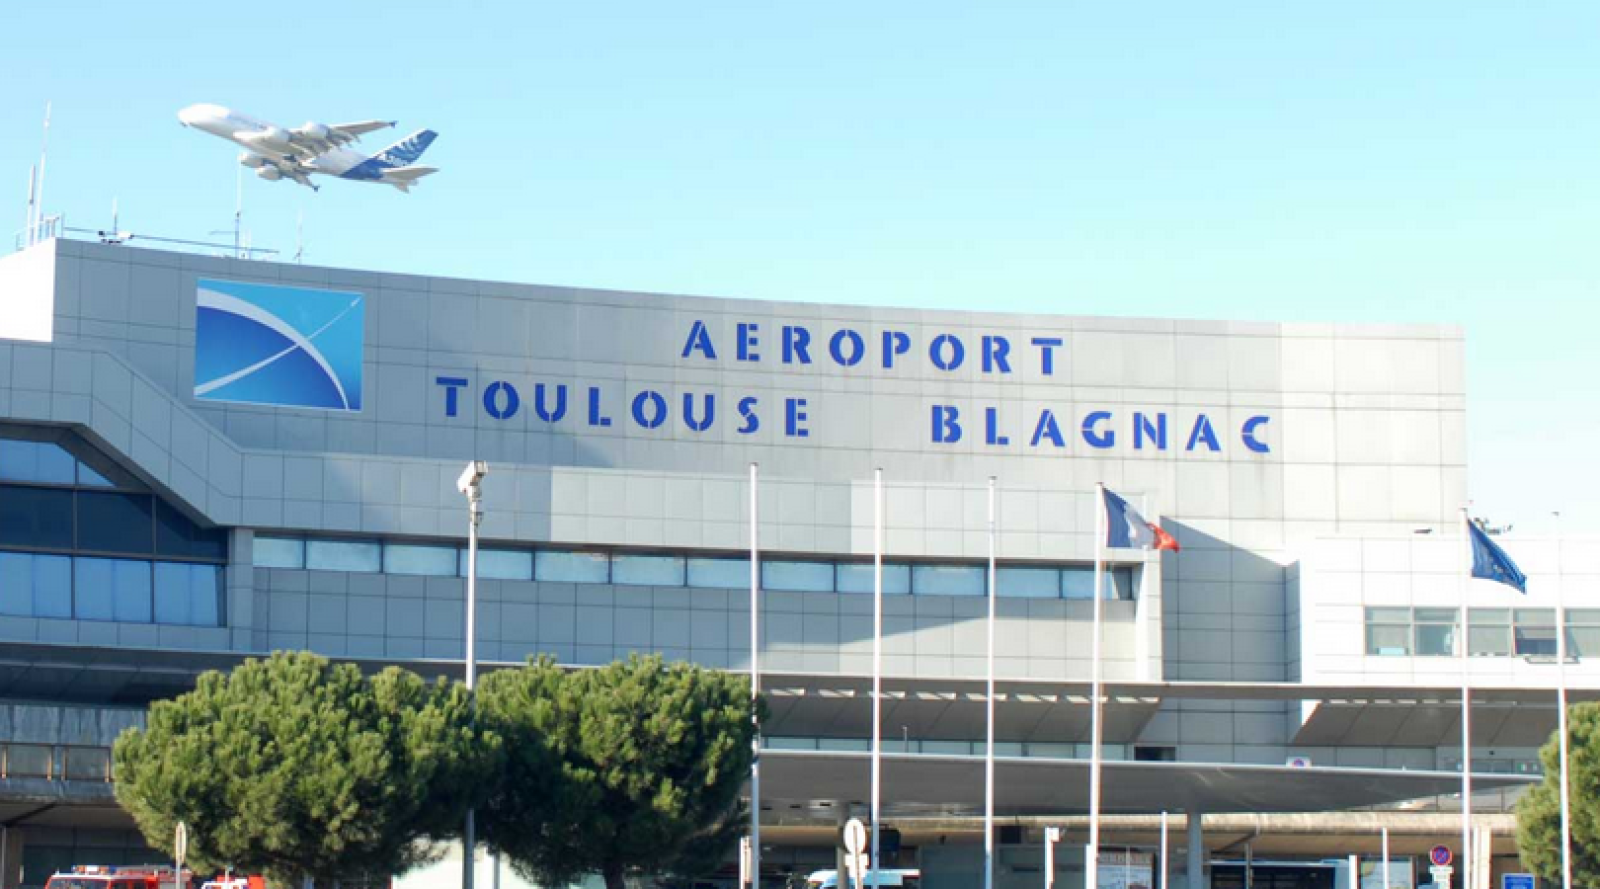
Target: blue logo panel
[277, 345]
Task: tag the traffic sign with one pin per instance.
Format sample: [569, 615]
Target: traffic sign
[1440, 855]
[180, 843]
[855, 836]
[1441, 875]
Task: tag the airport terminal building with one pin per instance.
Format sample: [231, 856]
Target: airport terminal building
[203, 459]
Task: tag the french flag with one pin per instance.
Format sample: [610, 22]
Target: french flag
[1126, 529]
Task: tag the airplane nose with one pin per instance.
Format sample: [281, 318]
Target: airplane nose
[194, 115]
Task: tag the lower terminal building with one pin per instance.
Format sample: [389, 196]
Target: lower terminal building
[205, 459]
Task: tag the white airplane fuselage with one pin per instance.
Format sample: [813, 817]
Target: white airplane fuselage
[270, 147]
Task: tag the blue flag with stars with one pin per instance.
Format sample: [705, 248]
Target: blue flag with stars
[1490, 562]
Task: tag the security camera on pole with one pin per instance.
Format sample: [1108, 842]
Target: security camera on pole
[469, 484]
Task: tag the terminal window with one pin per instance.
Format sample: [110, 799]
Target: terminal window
[81, 538]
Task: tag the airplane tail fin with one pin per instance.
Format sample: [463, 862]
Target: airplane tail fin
[407, 151]
[405, 177]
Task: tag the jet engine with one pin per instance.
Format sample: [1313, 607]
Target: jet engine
[271, 174]
[315, 130]
[251, 160]
[276, 138]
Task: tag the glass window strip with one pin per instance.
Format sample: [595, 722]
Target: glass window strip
[850, 577]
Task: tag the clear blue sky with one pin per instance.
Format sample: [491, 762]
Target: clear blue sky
[1372, 161]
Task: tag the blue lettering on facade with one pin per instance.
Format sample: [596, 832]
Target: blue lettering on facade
[704, 421]
[747, 410]
[1047, 352]
[795, 418]
[991, 427]
[1156, 432]
[595, 417]
[946, 343]
[946, 425]
[1251, 440]
[500, 400]
[1048, 428]
[545, 412]
[451, 385]
[649, 409]
[894, 343]
[796, 342]
[1095, 437]
[1203, 433]
[995, 350]
[745, 341]
[857, 348]
[699, 341]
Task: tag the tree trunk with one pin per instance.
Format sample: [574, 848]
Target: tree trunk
[613, 876]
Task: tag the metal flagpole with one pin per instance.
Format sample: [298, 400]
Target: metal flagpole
[1165, 865]
[1386, 883]
[755, 681]
[1561, 721]
[877, 665]
[988, 749]
[1091, 861]
[1466, 705]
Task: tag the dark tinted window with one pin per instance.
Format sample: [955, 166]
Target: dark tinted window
[114, 522]
[35, 517]
[176, 535]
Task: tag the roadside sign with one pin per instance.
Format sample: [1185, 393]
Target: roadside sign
[1440, 856]
[855, 836]
[180, 843]
[1441, 875]
[1518, 881]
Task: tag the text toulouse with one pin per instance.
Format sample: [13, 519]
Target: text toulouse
[650, 408]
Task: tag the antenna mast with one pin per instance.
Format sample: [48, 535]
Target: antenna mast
[27, 223]
[38, 191]
[238, 213]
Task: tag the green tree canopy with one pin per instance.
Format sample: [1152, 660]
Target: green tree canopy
[1539, 810]
[634, 767]
[294, 766]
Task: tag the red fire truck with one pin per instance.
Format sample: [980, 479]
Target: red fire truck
[120, 876]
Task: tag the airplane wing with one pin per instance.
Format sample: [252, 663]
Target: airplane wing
[361, 127]
[313, 139]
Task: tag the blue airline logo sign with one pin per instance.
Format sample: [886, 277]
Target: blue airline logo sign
[277, 345]
[948, 424]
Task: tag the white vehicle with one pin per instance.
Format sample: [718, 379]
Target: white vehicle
[277, 153]
[889, 878]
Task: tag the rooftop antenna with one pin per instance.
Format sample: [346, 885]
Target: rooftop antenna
[238, 212]
[27, 223]
[38, 192]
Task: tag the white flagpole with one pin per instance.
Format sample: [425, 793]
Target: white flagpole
[1165, 864]
[755, 683]
[1561, 721]
[877, 665]
[1091, 861]
[988, 750]
[1466, 705]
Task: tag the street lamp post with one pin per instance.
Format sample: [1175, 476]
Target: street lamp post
[469, 484]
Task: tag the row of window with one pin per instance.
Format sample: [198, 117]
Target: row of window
[127, 590]
[108, 522]
[571, 566]
[1493, 632]
[1109, 752]
[47, 462]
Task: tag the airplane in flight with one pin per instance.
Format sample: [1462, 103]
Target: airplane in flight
[314, 148]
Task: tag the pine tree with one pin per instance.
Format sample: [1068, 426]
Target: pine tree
[297, 767]
[1539, 810]
[632, 768]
